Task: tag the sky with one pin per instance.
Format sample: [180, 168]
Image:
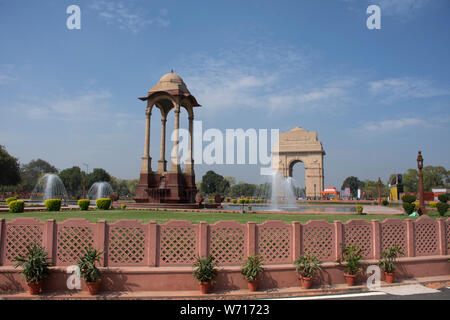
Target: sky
[375, 97]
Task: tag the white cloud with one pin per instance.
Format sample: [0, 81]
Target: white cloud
[410, 123]
[83, 106]
[389, 125]
[127, 16]
[400, 7]
[263, 77]
[7, 74]
[406, 87]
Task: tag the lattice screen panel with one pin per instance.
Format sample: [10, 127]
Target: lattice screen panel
[126, 245]
[72, 241]
[447, 235]
[227, 245]
[318, 241]
[274, 244]
[393, 233]
[426, 236]
[178, 245]
[360, 235]
[18, 237]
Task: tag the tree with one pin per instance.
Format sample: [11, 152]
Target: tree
[9, 169]
[354, 183]
[243, 189]
[72, 179]
[264, 190]
[370, 188]
[231, 180]
[132, 185]
[97, 175]
[213, 183]
[31, 172]
[434, 177]
[410, 180]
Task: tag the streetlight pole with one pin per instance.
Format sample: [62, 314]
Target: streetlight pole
[420, 167]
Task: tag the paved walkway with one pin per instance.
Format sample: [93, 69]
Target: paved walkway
[283, 293]
[382, 210]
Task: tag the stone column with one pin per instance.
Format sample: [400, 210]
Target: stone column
[190, 160]
[420, 196]
[162, 152]
[175, 167]
[146, 159]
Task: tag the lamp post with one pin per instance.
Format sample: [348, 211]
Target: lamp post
[420, 167]
[315, 192]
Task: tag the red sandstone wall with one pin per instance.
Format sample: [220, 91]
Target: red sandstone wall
[159, 256]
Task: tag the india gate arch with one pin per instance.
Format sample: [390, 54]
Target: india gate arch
[165, 185]
[300, 145]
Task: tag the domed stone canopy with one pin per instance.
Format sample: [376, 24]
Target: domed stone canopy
[169, 82]
[177, 185]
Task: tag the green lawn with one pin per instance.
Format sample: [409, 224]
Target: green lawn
[210, 217]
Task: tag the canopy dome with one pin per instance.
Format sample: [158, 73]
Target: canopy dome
[168, 82]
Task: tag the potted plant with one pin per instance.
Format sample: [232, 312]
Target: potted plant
[306, 266]
[351, 257]
[387, 262]
[35, 267]
[205, 272]
[88, 270]
[251, 270]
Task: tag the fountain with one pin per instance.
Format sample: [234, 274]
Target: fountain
[282, 192]
[49, 186]
[100, 190]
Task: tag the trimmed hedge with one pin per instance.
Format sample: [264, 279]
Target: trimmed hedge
[442, 208]
[103, 203]
[385, 202]
[8, 200]
[408, 203]
[123, 206]
[53, 204]
[84, 204]
[443, 198]
[409, 207]
[432, 204]
[16, 206]
[408, 198]
[359, 209]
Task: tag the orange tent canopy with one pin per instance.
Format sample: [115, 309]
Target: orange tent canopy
[330, 190]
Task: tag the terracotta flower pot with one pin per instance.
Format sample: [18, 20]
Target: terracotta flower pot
[390, 277]
[252, 285]
[205, 287]
[34, 288]
[306, 282]
[350, 279]
[93, 287]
